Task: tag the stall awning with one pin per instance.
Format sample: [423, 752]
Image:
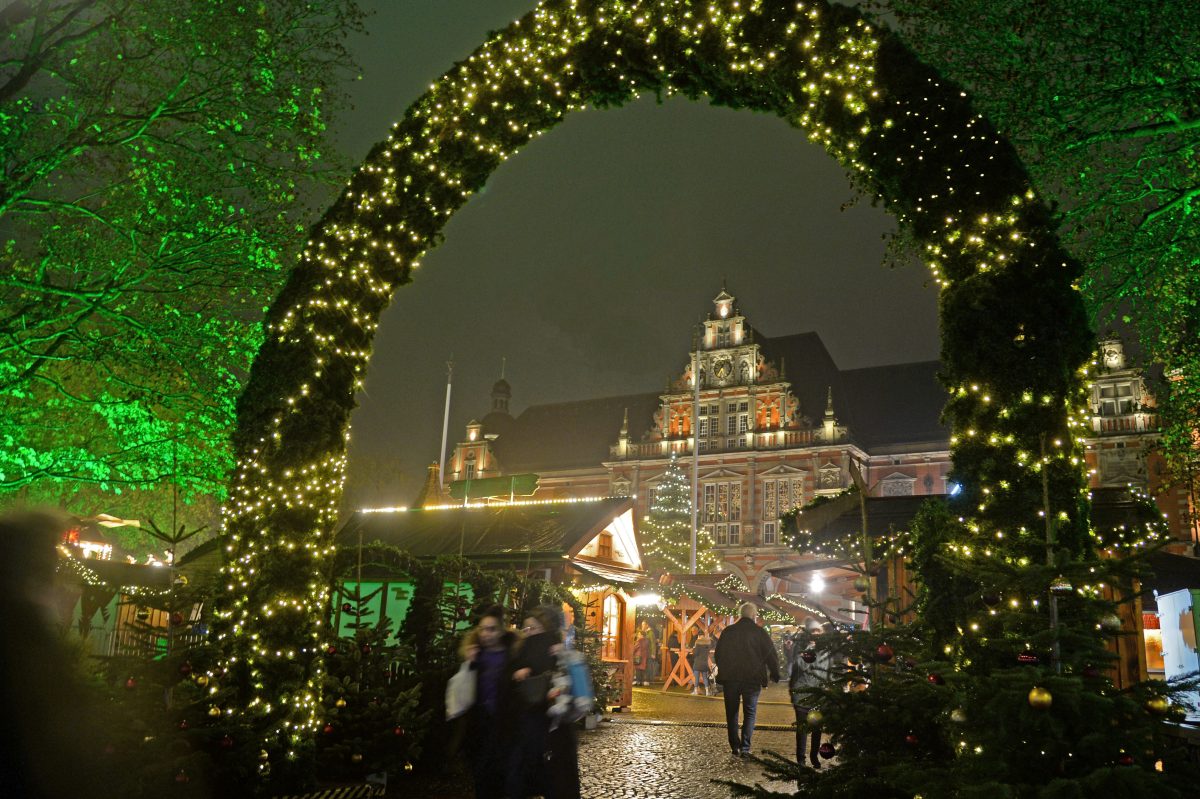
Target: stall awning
[609, 573]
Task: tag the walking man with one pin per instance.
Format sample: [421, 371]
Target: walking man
[745, 659]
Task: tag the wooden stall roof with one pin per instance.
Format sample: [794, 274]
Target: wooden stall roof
[492, 531]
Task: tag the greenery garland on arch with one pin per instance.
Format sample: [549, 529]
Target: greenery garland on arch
[1015, 336]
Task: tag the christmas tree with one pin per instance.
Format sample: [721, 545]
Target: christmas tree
[667, 532]
[995, 681]
[371, 723]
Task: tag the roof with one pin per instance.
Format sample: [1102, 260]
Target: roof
[552, 529]
[115, 573]
[1170, 573]
[897, 404]
[882, 406]
[567, 435]
[607, 572]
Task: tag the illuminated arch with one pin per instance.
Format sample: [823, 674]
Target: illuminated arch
[1014, 330]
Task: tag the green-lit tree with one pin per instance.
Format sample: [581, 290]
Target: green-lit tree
[1099, 98]
[158, 157]
[667, 531]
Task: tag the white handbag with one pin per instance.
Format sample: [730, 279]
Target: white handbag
[460, 691]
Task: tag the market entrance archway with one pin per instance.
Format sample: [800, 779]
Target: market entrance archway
[1013, 325]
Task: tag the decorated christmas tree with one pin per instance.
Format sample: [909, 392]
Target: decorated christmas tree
[997, 677]
[371, 724]
[667, 532]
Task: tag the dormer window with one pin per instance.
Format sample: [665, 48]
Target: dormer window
[604, 546]
[1116, 399]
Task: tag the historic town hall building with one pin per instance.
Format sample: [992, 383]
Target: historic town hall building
[776, 423]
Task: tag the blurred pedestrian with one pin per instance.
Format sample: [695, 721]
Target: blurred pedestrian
[545, 761]
[808, 672]
[701, 653]
[489, 649]
[50, 742]
[641, 658]
[745, 659]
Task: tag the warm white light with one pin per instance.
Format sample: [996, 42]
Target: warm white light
[816, 583]
[646, 599]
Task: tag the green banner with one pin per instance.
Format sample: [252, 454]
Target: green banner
[515, 485]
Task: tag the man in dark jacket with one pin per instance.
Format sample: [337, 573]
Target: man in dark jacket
[745, 659]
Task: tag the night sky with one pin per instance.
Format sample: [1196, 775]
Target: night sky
[591, 253]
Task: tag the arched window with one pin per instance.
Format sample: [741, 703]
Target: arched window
[612, 622]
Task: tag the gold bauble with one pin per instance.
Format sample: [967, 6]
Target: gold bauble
[1159, 706]
[340, 702]
[214, 711]
[1040, 698]
[814, 718]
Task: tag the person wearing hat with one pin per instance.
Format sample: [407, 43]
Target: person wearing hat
[808, 671]
[745, 658]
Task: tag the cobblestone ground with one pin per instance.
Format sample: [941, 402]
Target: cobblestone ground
[667, 746]
[647, 761]
[673, 745]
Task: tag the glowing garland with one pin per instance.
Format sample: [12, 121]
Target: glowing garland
[908, 138]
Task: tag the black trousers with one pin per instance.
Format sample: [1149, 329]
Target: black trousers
[803, 730]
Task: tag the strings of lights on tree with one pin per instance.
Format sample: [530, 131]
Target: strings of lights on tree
[1016, 338]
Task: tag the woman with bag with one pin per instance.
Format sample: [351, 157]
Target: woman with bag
[488, 650]
[541, 760]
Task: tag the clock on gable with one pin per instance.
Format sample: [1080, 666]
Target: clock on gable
[723, 369]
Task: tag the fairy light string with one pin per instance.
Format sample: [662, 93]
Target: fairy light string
[1015, 332]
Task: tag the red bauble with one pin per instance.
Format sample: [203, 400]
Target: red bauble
[1091, 672]
[826, 750]
[347, 607]
[936, 679]
[910, 739]
[398, 731]
[808, 656]
[183, 725]
[1125, 760]
[131, 683]
[366, 648]
[331, 650]
[327, 729]
[177, 619]
[226, 742]
[884, 653]
[182, 776]
[185, 668]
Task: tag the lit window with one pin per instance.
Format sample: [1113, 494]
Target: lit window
[610, 630]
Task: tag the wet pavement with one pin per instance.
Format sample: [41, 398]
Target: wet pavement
[667, 746]
[674, 744]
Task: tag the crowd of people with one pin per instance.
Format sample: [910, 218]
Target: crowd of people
[520, 743]
[517, 731]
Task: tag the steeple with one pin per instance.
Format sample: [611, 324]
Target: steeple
[830, 429]
[622, 449]
[501, 392]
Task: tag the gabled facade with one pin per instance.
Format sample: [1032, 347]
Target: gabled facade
[774, 424]
[1121, 446]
